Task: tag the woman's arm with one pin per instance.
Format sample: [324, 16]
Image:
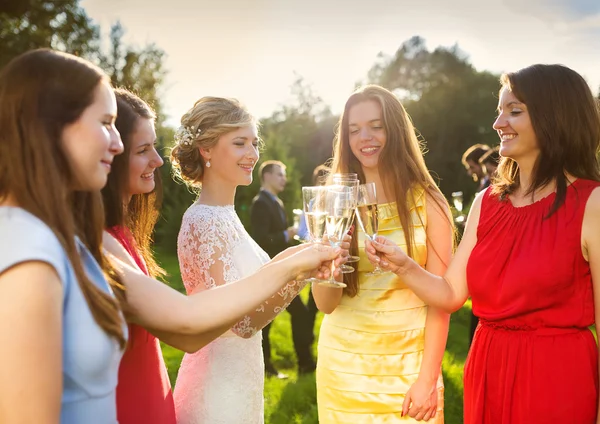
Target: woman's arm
[186, 342]
[590, 235]
[209, 313]
[449, 292]
[421, 399]
[31, 339]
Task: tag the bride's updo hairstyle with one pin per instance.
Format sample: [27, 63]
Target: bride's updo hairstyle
[201, 127]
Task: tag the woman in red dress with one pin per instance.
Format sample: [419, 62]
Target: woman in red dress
[144, 391]
[529, 259]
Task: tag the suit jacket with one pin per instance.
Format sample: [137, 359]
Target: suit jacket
[268, 223]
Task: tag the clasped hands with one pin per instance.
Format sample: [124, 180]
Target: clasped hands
[315, 259]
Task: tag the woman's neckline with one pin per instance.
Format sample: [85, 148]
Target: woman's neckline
[541, 201]
[215, 206]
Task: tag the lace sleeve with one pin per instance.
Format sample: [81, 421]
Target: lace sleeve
[268, 310]
[204, 249]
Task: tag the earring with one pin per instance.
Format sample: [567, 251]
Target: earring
[208, 164]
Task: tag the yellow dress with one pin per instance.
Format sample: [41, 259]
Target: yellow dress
[371, 347]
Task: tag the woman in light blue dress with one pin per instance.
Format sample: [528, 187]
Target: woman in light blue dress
[62, 332]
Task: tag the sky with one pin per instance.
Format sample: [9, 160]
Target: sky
[254, 49]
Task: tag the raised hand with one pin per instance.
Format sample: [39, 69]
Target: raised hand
[314, 260]
[386, 254]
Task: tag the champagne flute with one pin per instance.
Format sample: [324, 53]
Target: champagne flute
[366, 211]
[340, 203]
[349, 180]
[315, 214]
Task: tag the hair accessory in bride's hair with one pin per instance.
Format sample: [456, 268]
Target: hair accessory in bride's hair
[186, 135]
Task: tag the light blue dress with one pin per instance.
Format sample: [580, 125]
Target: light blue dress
[90, 357]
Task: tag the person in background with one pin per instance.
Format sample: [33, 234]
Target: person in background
[470, 160]
[489, 162]
[269, 228]
[477, 170]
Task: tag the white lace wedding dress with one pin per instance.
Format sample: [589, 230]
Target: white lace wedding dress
[223, 382]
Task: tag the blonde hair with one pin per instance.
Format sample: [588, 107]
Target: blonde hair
[204, 124]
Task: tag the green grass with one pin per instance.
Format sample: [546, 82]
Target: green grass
[294, 400]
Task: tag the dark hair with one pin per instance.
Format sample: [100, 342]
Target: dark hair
[401, 163]
[268, 167]
[474, 153]
[142, 211]
[492, 157]
[565, 119]
[41, 92]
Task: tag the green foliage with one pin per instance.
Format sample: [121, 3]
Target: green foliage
[299, 135]
[451, 104]
[176, 198]
[58, 24]
[140, 70]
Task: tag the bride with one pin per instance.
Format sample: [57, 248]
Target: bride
[217, 148]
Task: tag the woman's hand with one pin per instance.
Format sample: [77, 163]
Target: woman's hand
[345, 246]
[314, 260]
[421, 400]
[386, 254]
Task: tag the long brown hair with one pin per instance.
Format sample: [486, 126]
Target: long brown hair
[41, 92]
[142, 211]
[401, 164]
[565, 120]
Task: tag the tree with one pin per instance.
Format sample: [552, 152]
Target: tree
[176, 196]
[140, 70]
[58, 24]
[450, 102]
[300, 135]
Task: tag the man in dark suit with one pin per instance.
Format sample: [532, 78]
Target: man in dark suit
[269, 228]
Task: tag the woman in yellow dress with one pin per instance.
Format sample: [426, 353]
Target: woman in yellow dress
[380, 347]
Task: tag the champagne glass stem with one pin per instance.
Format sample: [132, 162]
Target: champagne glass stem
[376, 269]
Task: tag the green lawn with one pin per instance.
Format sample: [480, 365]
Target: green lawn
[294, 400]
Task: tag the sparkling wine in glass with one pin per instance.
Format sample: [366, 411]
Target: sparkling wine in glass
[349, 180]
[316, 215]
[340, 204]
[367, 214]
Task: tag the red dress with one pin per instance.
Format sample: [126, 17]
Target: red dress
[143, 391]
[533, 359]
